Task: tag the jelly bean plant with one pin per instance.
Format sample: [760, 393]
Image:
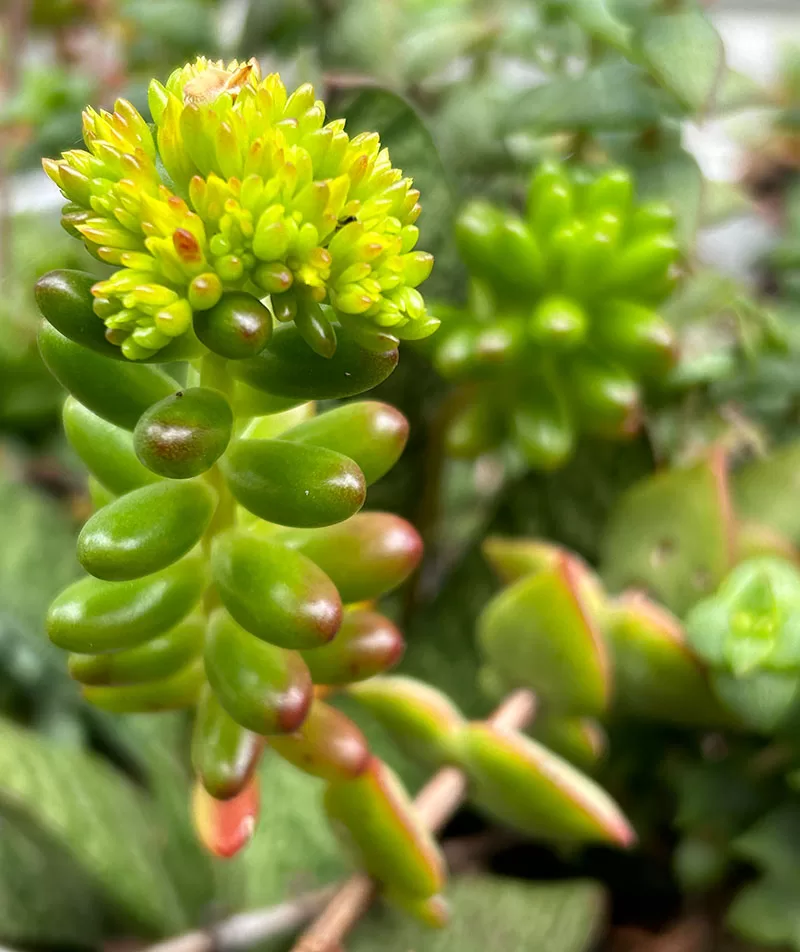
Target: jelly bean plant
[263, 260]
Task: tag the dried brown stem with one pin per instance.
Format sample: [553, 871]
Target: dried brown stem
[435, 803]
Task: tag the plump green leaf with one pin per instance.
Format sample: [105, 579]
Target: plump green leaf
[761, 701]
[421, 720]
[494, 913]
[684, 52]
[97, 816]
[676, 178]
[529, 788]
[657, 674]
[542, 632]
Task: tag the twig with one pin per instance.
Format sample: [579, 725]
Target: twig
[250, 928]
[435, 804]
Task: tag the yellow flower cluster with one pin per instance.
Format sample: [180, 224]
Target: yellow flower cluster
[243, 187]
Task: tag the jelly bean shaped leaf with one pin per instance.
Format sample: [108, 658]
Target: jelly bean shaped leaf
[165, 655]
[277, 594]
[98, 817]
[606, 399]
[379, 821]
[327, 745]
[106, 450]
[117, 391]
[531, 789]
[264, 688]
[764, 491]
[672, 535]
[365, 645]
[93, 616]
[146, 530]
[171, 693]
[543, 429]
[372, 434]
[684, 53]
[184, 434]
[542, 632]
[64, 297]
[292, 483]
[494, 912]
[365, 556]
[226, 826]
[657, 674]
[422, 720]
[237, 326]
[224, 754]
[287, 367]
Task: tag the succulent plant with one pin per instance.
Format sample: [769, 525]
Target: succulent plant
[562, 332]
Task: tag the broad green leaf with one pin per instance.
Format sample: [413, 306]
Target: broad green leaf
[494, 913]
[98, 817]
[45, 899]
[736, 91]
[765, 491]
[761, 701]
[613, 95]
[293, 849]
[673, 177]
[672, 535]
[771, 843]
[412, 149]
[36, 533]
[684, 53]
[160, 742]
[599, 20]
[766, 912]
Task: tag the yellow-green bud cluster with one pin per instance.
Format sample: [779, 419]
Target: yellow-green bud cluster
[241, 186]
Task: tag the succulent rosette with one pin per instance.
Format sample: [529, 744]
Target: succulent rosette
[562, 335]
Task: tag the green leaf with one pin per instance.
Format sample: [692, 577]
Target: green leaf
[599, 20]
[685, 54]
[761, 701]
[613, 95]
[45, 899]
[765, 491]
[98, 817]
[771, 843]
[767, 912]
[736, 91]
[671, 535]
[673, 177]
[293, 849]
[542, 632]
[494, 913]
[413, 149]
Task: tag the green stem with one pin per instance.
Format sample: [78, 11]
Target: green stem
[213, 373]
